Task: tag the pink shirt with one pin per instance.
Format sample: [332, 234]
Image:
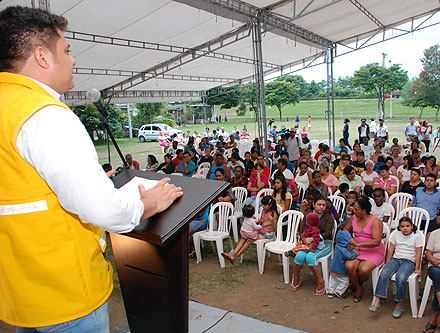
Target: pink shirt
[331, 180]
[253, 181]
[390, 182]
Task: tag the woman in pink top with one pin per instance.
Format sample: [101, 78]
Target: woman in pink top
[327, 178]
[385, 181]
[367, 230]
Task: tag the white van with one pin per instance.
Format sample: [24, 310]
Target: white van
[152, 131]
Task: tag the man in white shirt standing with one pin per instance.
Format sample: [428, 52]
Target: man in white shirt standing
[292, 144]
[53, 270]
[411, 130]
[373, 128]
[382, 130]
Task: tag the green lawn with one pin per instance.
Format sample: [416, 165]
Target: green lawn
[352, 109]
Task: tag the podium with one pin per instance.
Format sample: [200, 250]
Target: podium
[152, 260]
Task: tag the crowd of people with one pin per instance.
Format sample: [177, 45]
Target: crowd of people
[365, 172]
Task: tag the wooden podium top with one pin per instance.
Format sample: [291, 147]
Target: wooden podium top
[197, 195]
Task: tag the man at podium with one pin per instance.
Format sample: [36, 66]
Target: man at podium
[55, 199]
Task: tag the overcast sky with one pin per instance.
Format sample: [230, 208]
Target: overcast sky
[406, 50]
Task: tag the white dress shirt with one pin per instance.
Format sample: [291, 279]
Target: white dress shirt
[56, 144]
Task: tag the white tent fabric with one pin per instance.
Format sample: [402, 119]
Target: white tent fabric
[184, 47]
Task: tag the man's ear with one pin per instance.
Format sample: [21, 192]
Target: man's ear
[41, 56]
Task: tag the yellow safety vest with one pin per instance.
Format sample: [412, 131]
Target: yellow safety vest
[52, 268]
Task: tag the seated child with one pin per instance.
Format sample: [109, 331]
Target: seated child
[344, 188]
[339, 281]
[249, 233]
[311, 231]
[269, 217]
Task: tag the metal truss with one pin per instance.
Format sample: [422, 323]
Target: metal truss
[42, 4]
[299, 13]
[81, 95]
[244, 12]
[179, 60]
[393, 33]
[367, 13]
[138, 44]
[117, 72]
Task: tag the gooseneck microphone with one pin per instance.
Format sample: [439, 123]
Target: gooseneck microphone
[94, 96]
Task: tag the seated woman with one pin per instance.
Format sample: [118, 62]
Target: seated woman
[433, 256]
[326, 225]
[303, 175]
[239, 180]
[168, 166]
[280, 193]
[369, 176]
[343, 163]
[245, 136]
[318, 184]
[367, 230]
[206, 158]
[327, 178]
[390, 163]
[431, 166]
[404, 171]
[385, 181]
[257, 182]
[414, 181]
[152, 163]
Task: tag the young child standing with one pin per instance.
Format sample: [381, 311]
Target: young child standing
[403, 258]
[349, 211]
[249, 233]
[339, 281]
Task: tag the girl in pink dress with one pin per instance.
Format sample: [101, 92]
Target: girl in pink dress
[367, 230]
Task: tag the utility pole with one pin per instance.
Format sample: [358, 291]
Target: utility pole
[383, 58]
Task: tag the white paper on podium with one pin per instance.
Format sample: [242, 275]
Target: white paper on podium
[131, 190]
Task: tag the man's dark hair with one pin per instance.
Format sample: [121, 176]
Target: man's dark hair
[22, 29]
[283, 161]
[185, 153]
[348, 169]
[178, 151]
[360, 153]
[285, 153]
[107, 167]
[431, 175]
[343, 187]
[384, 167]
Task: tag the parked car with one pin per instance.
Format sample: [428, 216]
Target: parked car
[152, 131]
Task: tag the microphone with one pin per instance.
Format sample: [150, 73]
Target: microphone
[94, 96]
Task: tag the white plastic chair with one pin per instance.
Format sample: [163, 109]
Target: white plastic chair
[399, 201]
[279, 246]
[426, 292]
[302, 191]
[198, 175]
[325, 261]
[336, 193]
[376, 271]
[339, 204]
[216, 231]
[240, 194]
[329, 192]
[260, 195]
[315, 144]
[416, 215]
[397, 181]
[176, 174]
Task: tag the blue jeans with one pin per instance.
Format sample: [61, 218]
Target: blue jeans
[403, 269]
[434, 275]
[295, 165]
[95, 322]
[312, 257]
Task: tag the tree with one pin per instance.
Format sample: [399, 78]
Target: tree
[414, 95]
[147, 112]
[249, 95]
[430, 77]
[115, 121]
[225, 97]
[380, 80]
[241, 110]
[90, 118]
[280, 93]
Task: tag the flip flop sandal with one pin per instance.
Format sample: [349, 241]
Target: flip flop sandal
[429, 328]
[320, 292]
[356, 298]
[296, 287]
[374, 308]
[228, 258]
[397, 313]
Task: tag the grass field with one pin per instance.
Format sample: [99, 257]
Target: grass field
[352, 109]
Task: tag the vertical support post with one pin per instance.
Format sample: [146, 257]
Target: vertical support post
[391, 106]
[333, 95]
[257, 37]
[130, 130]
[327, 61]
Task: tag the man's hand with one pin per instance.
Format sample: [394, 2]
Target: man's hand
[158, 198]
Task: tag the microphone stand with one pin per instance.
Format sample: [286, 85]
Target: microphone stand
[105, 123]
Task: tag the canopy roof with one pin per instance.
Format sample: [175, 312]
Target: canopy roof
[159, 50]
